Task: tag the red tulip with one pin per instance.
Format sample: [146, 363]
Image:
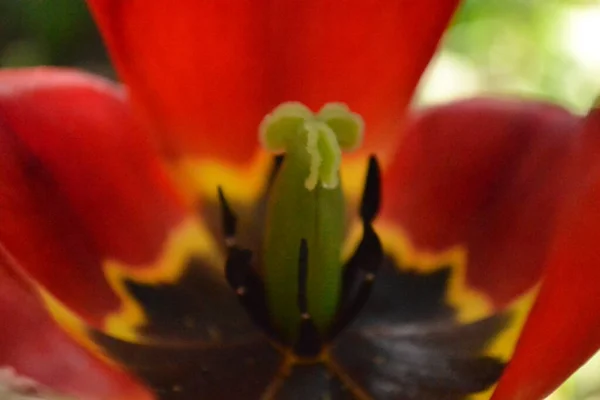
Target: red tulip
[149, 248]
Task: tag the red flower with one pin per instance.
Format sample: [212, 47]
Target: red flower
[111, 217]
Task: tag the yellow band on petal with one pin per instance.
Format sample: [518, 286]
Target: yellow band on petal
[189, 239]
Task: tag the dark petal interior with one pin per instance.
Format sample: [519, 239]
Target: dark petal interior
[240, 370]
[406, 344]
[308, 382]
[405, 363]
[200, 307]
[405, 296]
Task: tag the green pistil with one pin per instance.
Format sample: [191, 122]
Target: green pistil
[306, 202]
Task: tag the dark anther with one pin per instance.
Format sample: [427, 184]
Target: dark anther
[358, 278]
[360, 270]
[369, 206]
[309, 341]
[229, 220]
[240, 274]
[237, 268]
[248, 286]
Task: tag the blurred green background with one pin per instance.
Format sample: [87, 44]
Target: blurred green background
[548, 49]
[55, 32]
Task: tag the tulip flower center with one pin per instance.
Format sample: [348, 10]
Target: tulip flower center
[307, 291]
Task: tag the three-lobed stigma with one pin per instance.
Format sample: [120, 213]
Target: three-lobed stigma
[292, 128]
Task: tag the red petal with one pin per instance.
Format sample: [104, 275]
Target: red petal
[35, 347]
[563, 328]
[206, 72]
[78, 184]
[485, 174]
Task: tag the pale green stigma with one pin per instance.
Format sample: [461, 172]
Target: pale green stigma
[323, 136]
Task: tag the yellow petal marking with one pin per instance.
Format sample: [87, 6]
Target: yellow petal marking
[199, 178]
[353, 173]
[504, 344]
[470, 304]
[69, 322]
[189, 239]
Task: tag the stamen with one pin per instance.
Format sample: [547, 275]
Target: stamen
[371, 199]
[237, 269]
[361, 269]
[249, 288]
[228, 219]
[240, 274]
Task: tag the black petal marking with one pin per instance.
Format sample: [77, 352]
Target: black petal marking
[198, 341]
[407, 344]
[407, 296]
[420, 362]
[237, 370]
[312, 382]
[200, 306]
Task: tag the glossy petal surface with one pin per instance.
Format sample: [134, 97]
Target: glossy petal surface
[79, 184]
[563, 329]
[204, 73]
[37, 348]
[485, 175]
